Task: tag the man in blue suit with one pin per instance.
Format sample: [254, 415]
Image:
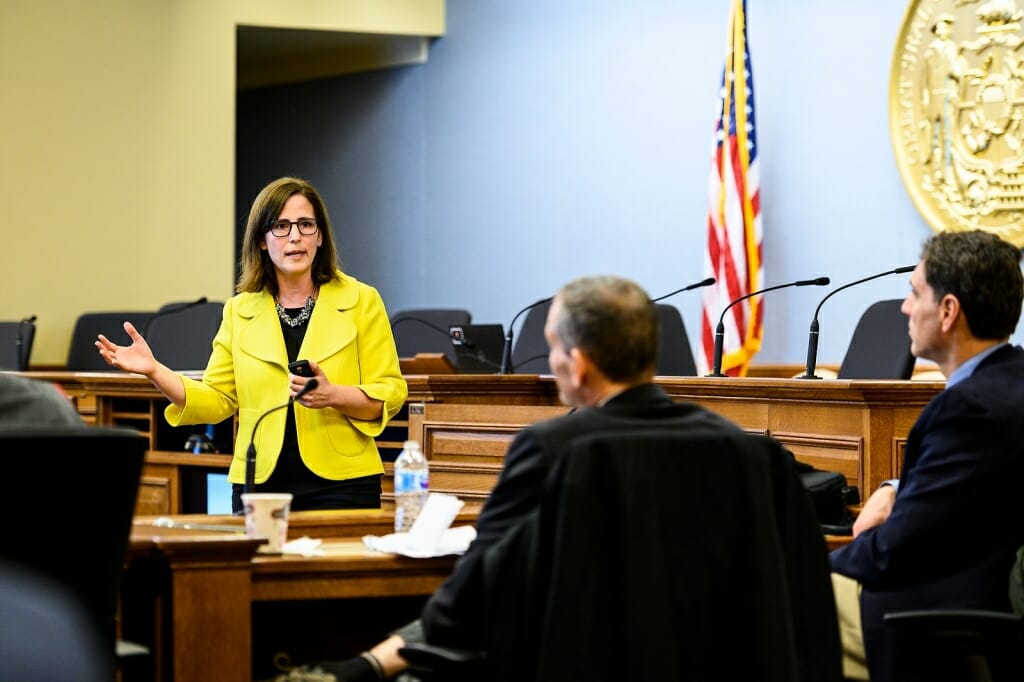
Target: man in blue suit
[945, 534]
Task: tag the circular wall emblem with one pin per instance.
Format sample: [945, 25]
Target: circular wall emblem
[956, 114]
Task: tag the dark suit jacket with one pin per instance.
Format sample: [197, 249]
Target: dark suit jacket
[452, 616]
[956, 524]
[477, 605]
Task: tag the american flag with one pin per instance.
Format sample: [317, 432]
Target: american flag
[733, 255]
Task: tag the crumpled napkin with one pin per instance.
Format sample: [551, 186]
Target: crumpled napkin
[452, 541]
[304, 546]
[431, 534]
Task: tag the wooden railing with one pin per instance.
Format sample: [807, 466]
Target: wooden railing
[465, 422]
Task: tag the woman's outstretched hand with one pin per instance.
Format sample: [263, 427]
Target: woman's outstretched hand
[137, 357]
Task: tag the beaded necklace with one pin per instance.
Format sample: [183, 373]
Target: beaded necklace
[302, 317]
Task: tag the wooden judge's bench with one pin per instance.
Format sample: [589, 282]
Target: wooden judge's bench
[465, 423]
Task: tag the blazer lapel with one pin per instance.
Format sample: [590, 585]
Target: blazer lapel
[332, 325]
[259, 329]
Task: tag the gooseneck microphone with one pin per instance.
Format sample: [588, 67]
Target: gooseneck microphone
[250, 454]
[812, 339]
[506, 350]
[703, 283]
[716, 371]
[19, 343]
[170, 310]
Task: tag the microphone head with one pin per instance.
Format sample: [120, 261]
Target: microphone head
[821, 282]
[904, 269]
[309, 386]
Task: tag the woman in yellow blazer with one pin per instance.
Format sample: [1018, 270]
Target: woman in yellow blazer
[293, 302]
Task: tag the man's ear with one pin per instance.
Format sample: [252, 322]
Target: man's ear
[580, 367]
[951, 311]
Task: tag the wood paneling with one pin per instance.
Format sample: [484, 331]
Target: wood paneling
[465, 423]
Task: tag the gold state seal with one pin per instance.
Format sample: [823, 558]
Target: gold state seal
[956, 107]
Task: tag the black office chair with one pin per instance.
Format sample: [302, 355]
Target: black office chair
[957, 645]
[181, 335]
[425, 330]
[675, 357]
[82, 353]
[82, 539]
[16, 343]
[656, 555]
[880, 346]
[530, 350]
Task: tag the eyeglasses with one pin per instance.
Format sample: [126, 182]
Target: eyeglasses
[283, 228]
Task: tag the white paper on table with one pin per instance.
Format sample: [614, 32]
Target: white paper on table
[453, 541]
[431, 534]
[434, 519]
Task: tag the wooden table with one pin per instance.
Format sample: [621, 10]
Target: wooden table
[207, 603]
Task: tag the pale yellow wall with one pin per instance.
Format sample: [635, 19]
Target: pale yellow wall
[117, 130]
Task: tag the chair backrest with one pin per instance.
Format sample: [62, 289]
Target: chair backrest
[82, 353]
[957, 645]
[80, 539]
[678, 548]
[530, 349]
[16, 344]
[675, 357]
[880, 346]
[182, 337]
[425, 330]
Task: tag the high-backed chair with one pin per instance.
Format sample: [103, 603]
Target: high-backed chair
[658, 555]
[880, 346]
[16, 343]
[530, 348]
[181, 335]
[675, 357]
[82, 353]
[82, 540]
[425, 330]
[957, 645]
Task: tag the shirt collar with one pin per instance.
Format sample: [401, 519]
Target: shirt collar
[967, 369]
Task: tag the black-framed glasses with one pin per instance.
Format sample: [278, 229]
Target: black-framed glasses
[283, 228]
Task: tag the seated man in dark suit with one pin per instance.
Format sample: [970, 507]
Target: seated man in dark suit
[945, 535]
[603, 337]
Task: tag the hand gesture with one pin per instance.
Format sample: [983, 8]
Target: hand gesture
[136, 358]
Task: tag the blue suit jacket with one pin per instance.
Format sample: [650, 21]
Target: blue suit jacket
[956, 523]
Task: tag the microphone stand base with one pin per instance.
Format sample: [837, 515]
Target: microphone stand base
[809, 376]
[717, 374]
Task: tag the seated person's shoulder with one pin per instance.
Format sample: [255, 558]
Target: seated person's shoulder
[32, 402]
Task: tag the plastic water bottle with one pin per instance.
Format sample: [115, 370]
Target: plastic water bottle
[412, 484]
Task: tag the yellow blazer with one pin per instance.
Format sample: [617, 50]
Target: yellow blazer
[349, 336]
